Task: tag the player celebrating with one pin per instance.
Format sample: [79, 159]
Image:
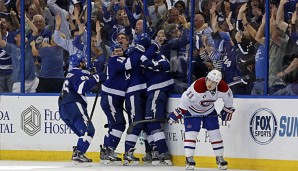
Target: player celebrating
[73, 106]
[197, 106]
[112, 101]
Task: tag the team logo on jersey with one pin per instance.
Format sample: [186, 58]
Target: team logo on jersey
[31, 121]
[263, 126]
[206, 103]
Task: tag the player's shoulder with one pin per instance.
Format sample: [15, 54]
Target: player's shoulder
[200, 85]
[222, 86]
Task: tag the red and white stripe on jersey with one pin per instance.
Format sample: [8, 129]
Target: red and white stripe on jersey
[198, 110]
[200, 86]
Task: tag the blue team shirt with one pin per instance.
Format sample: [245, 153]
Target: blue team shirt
[117, 77]
[159, 79]
[137, 80]
[77, 83]
[15, 54]
[260, 64]
[51, 62]
[230, 69]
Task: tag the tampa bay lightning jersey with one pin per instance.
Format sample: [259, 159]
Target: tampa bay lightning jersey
[118, 76]
[159, 79]
[137, 80]
[76, 84]
[230, 69]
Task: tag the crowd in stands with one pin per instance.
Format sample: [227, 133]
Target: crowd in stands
[229, 35]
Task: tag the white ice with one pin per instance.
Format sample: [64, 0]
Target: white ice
[6, 165]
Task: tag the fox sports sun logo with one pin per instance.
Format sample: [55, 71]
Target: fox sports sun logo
[263, 126]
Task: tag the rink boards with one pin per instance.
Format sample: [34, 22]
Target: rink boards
[261, 136]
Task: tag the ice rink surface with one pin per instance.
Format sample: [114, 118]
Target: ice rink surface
[67, 166]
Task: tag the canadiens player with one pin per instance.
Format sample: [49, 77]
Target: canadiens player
[197, 106]
[73, 106]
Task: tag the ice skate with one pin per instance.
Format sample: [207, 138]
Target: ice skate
[190, 163]
[104, 159]
[129, 158]
[80, 159]
[147, 159]
[155, 160]
[165, 159]
[222, 164]
[109, 157]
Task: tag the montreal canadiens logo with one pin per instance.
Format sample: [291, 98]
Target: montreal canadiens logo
[263, 126]
[206, 103]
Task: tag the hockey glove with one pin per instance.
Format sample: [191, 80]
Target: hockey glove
[92, 70]
[96, 77]
[174, 116]
[226, 113]
[151, 65]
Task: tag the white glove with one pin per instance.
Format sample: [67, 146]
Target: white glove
[96, 77]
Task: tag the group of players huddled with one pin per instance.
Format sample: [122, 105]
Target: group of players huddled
[137, 76]
[136, 81]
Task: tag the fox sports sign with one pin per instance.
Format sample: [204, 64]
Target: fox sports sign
[263, 126]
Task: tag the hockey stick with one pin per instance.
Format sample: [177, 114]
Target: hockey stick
[237, 82]
[133, 124]
[92, 112]
[103, 47]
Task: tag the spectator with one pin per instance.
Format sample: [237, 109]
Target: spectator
[157, 12]
[31, 81]
[51, 75]
[180, 5]
[175, 52]
[5, 60]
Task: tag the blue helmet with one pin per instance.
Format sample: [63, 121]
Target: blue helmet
[143, 40]
[75, 59]
[115, 46]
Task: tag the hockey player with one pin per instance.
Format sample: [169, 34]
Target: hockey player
[112, 101]
[73, 106]
[197, 106]
[159, 83]
[135, 97]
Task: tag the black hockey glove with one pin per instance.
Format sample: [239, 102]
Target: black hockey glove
[226, 113]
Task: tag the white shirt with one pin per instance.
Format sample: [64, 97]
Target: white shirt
[197, 100]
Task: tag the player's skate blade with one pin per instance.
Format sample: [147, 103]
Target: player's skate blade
[222, 167]
[129, 158]
[130, 163]
[222, 164]
[112, 163]
[81, 164]
[190, 167]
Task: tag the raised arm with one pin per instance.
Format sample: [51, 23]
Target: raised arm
[247, 25]
[260, 34]
[32, 26]
[34, 50]
[280, 16]
[2, 42]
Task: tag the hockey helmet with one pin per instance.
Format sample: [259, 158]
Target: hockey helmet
[76, 59]
[115, 46]
[76, 2]
[143, 40]
[215, 76]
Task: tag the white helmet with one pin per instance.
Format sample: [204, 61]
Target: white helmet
[214, 75]
[76, 1]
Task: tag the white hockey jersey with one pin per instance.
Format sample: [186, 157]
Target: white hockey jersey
[197, 100]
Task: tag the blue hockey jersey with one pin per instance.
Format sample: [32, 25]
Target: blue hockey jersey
[76, 84]
[118, 76]
[157, 75]
[137, 80]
